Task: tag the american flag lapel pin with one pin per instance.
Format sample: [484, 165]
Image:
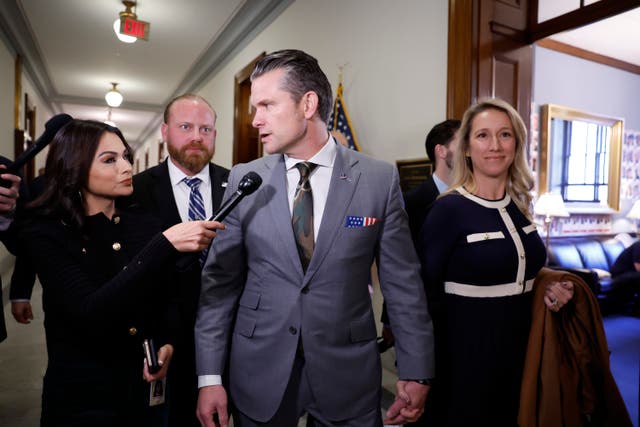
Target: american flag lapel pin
[344, 177]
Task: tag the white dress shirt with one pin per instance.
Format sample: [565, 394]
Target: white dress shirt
[181, 190]
[440, 184]
[319, 179]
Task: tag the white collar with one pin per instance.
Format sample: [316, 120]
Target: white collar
[177, 176]
[494, 204]
[325, 157]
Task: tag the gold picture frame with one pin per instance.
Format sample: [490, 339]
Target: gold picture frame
[413, 172]
[552, 111]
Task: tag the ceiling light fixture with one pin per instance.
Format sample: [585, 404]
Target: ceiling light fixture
[113, 97]
[109, 121]
[127, 13]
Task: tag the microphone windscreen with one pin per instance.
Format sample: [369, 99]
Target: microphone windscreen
[249, 183]
[53, 125]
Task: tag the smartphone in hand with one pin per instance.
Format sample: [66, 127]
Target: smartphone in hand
[150, 356]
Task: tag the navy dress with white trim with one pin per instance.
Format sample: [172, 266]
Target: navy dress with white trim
[479, 259]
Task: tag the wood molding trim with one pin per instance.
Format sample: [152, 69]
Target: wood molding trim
[579, 17]
[588, 55]
[507, 31]
[17, 91]
[460, 64]
[241, 102]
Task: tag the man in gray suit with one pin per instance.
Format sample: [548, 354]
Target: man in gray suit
[284, 306]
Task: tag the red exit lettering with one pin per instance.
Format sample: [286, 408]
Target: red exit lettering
[134, 28]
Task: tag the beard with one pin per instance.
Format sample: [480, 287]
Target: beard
[193, 161]
[449, 159]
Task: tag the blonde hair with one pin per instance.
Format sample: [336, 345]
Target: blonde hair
[519, 178]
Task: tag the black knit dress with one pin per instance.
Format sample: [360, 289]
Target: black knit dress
[479, 259]
[105, 289]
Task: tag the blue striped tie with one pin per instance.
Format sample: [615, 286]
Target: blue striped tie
[196, 208]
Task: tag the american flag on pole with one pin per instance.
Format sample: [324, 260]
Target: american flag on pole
[339, 121]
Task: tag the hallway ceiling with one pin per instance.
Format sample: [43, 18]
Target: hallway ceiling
[71, 49]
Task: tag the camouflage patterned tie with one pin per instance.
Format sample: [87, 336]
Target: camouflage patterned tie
[302, 219]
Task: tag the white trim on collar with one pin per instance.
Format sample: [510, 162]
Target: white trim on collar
[176, 175]
[492, 204]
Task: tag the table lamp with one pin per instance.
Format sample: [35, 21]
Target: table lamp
[550, 205]
[634, 213]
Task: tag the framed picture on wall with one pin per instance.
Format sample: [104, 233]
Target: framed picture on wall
[413, 172]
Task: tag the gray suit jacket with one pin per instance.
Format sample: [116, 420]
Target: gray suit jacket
[256, 301]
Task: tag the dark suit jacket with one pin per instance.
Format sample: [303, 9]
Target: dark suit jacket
[24, 272]
[7, 237]
[153, 193]
[3, 327]
[417, 202]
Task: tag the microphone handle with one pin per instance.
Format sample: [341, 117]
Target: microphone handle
[228, 206]
[23, 158]
[14, 168]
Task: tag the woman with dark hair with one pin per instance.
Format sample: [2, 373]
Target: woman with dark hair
[480, 253]
[105, 275]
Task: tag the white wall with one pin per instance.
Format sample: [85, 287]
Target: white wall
[395, 77]
[585, 85]
[589, 86]
[7, 94]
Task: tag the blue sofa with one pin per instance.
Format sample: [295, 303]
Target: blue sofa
[591, 257]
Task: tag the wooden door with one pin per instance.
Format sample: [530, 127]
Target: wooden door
[24, 139]
[489, 54]
[246, 143]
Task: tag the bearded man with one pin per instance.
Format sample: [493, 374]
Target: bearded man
[184, 186]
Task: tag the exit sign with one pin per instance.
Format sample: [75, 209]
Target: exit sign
[134, 28]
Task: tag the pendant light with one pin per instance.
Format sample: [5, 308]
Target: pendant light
[113, 97]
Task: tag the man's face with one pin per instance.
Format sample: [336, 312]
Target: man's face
[279, 119]
[190, 135]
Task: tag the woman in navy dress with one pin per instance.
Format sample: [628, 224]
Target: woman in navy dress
[480, 253]
[105, 275]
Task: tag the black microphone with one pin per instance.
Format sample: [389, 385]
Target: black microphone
[248, 184]
[52, 127]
